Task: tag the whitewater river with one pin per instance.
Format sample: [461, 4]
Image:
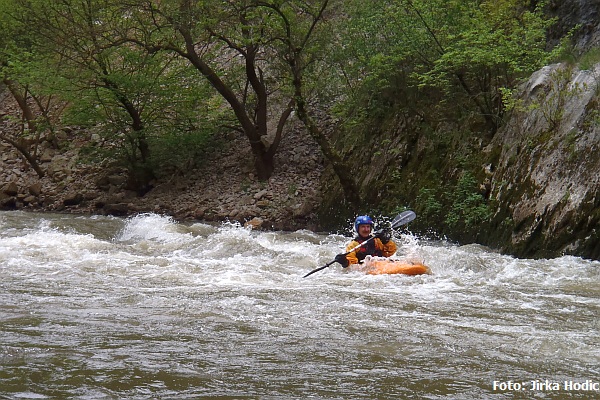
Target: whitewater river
[148, 308]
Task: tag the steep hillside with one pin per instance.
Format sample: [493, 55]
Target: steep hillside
[222, 187]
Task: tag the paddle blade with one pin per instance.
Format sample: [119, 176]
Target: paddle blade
[403, 218]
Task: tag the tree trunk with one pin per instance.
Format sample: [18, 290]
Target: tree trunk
[26, 153]
[341, 168]
[263, 158]
[29, 117]
[28, 114]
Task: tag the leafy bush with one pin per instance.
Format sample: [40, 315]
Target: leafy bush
[178, 152]
[468, 207]
[429, 205]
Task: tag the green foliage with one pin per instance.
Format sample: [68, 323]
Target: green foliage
[592, 116]
[456, 54]
[502, 36]
[129, 97]
[162, 77]
[179, 152]
[468, 208]
[429, 205]
[453, 207]
[510, 100]
[551, 103]
[589, 59]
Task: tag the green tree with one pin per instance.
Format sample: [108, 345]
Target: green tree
[228, 44]
[458, 54]
[25, 74]
[129, 94]
[305, 35]
[255, 55]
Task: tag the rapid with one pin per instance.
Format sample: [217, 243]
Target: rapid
[95, 307]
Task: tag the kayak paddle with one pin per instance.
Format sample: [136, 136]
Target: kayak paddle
[401, 219]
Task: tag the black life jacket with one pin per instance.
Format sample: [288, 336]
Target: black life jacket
[369, 249]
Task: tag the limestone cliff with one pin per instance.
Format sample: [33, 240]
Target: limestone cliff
[546, 185]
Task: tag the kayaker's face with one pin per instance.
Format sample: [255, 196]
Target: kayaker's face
[364, 230]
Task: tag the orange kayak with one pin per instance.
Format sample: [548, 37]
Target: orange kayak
[380, 266]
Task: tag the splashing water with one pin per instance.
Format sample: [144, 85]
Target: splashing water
[145, 307]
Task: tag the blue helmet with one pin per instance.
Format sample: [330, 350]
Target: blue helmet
[363, 220]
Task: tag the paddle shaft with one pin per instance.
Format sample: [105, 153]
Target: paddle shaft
[332, 262]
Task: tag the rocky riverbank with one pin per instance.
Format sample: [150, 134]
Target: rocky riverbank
[222, 188]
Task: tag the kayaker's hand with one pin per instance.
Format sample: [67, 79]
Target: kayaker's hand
[341, 258]
[384, 235]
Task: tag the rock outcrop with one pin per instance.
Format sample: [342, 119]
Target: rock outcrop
[546, 184]
[583, 14]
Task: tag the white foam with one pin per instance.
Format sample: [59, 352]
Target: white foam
[152, 227]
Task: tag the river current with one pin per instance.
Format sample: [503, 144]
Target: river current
[95, 307]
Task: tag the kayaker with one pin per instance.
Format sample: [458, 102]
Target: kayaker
[381, 245]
